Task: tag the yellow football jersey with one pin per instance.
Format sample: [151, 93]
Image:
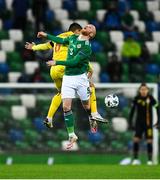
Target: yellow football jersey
[61, 50]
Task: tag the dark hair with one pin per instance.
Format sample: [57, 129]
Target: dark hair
[143, 85]
[74, 26]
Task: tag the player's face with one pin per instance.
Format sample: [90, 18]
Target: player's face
[88, 29]
[78, 31]
[143, 91]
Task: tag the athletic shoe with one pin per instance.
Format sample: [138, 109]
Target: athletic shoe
[136, 162]
[98, 118]
[150, 163]
[72, 140]
[48, 123]
[93, 126]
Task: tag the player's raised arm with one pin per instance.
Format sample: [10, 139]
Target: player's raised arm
[53, 38]
[34, 47]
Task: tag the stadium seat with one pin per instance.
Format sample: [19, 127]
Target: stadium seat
[152, 5]
[30, 67]
[4, 68]
[83, 5]
[60, 14]
[82, 22]
[153, 47]
[18, 112]
[16, 35]
[69, 5]
[140, 25]
[152, 69]
[15, 135]
[38, 124]
[30, 16]
[96, 46]
[54, 4]
[139, 5]
[116, 36]
[28, 100]
[119, 45]
[96, 68]
[2, 56]
[156, 15]
[119, 124]
[95, 5]
[65, 23]
[100, 13]
[13, 76]
[135, 14]
[156, 36]
[4, 34]
[9, 4]
[7, 45]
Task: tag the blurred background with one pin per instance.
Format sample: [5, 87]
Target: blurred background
[125, 50]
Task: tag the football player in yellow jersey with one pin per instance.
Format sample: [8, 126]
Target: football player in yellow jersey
[56, 72]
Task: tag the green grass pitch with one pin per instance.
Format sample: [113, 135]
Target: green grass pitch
[74, 171]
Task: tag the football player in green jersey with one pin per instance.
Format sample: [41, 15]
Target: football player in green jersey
[75, 80]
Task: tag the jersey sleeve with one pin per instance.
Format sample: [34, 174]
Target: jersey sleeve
[58, 40]
[44, 46]
[82, 54]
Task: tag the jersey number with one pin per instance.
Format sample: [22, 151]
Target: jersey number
[57, 47]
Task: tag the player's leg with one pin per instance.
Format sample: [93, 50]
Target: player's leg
[69, 121]
[136, 141]
[93, 102]
[68, 93]
[56, 100]
[149, 137]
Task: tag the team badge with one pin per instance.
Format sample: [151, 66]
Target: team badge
[79, 46]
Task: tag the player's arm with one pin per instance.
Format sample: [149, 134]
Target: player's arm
[34, 47]
[53, 38]
[83, 54]
[133, 107]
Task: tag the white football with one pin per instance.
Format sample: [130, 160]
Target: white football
[111, 100]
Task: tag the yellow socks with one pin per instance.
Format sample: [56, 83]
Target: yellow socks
[56, 101]
[93, 100]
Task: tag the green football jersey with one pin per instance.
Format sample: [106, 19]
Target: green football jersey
[79, 52]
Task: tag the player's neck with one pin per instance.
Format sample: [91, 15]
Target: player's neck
[82, 37]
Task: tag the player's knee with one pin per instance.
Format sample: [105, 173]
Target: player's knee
[66, 108]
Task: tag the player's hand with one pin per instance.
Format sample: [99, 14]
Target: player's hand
[29, 45]
[41, 34]
[51, 63]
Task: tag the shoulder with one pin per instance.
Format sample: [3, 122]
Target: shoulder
[66, 34]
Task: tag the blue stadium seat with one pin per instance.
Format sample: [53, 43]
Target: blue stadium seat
[152, 26]
[153, 69]
[4, 68]
[49, 15]
[15, 135]
[123, 102]
[96, 46]
[38, 124]
[104, 77]
[70, 5]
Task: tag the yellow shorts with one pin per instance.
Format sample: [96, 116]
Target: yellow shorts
[56, 73]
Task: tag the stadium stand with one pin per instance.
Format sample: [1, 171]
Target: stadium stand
[18, 65]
